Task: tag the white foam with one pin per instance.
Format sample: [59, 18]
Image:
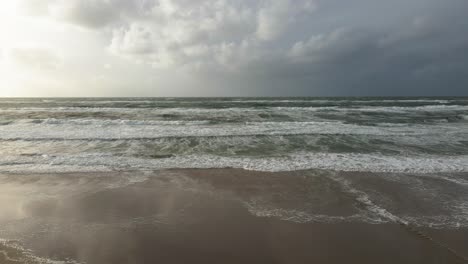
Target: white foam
[169, 110]
[27, 255]
[458, 218]
[120, 122]
[298, 216]
[262, 208]
[439, 221]
[453, 180]
[365, 200]
[98, 129]
[298, 161]
[403, 109]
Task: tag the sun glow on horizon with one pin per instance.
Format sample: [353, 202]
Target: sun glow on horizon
[9, 28]
[9, 14]
[29, 51]
[8, 9]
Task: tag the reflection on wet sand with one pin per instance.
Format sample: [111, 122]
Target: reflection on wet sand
[201, 216]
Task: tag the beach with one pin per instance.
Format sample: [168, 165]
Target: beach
[219, 215]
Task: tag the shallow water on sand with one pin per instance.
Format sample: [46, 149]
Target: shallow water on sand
[80, 216]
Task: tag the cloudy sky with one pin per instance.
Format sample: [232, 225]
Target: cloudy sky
[233, 47]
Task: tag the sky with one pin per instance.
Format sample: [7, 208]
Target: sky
[233, 48]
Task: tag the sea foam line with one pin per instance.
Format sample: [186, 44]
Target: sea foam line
[27, 255]
[365, 200]
[112, 130]
[292, 162]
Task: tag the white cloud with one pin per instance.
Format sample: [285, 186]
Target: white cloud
[137, 39]
[84, 12]
[205, 32]
[183, 33]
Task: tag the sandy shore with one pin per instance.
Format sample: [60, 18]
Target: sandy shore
[210, 216]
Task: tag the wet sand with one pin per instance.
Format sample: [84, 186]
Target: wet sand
[206, 216]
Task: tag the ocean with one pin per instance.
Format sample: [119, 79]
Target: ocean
[414, 134]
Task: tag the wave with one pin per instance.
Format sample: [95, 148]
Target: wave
[104, 122]
[293, 162]
[429, 108]
[177, 109]
[252, 146]
[96, 129]
[372, 116]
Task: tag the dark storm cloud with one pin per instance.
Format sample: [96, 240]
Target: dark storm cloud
[421, 53]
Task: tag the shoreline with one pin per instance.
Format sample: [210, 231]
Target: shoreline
[202, 216]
